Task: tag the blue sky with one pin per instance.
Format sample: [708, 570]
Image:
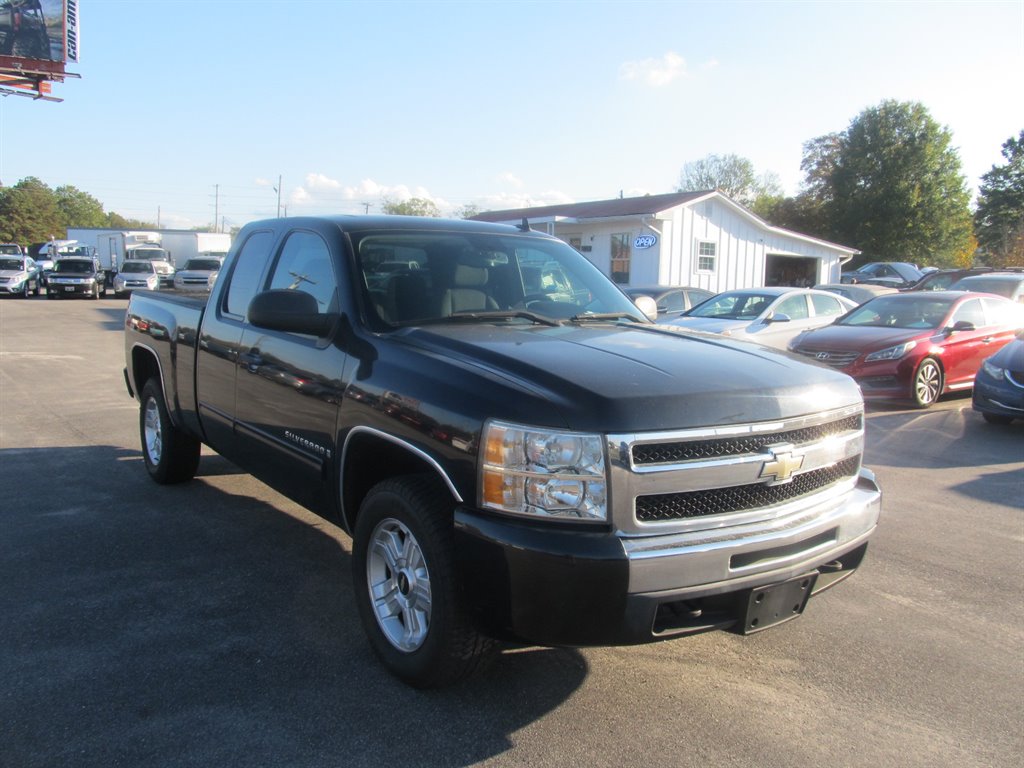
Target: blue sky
[497, 104]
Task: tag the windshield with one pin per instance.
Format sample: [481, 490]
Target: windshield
[734, 306]
[415, 277]
[995, 285]
[155, 254]
[12, 264]
[203, 265]
[137, 267]
[900, 311]
[73, 267]
[10, 249]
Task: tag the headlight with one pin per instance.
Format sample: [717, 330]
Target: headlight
[891, 353]
[993, 370]
[542, 472]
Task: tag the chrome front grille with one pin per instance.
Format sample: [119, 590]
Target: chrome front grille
[673, 452]
[720, 476]
[829, 357]
[718, 501]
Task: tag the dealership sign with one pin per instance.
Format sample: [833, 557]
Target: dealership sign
[644, 241]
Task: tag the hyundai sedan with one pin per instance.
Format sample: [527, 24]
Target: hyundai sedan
[915, 346]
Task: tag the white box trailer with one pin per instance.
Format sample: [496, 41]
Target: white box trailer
[113, 245]
[182, 246]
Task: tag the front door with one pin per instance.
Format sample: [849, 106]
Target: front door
[290, 386]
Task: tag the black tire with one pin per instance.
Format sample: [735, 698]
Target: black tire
[927, 383]
[103, 290]
[996, 418]
[25, 291]
[39, 288]
[406, 588]
[171, 456]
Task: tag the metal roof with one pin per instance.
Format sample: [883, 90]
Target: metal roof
[600, 209]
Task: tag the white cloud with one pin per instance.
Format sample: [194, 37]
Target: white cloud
[319, 181]
[511, 179]
[655, 72]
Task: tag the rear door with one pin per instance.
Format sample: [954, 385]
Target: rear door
[220, 337]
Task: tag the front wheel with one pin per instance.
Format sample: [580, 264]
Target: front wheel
[406, 588]
[171, 455]
[927, 383]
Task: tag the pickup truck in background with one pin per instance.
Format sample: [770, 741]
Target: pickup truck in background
[512, 463]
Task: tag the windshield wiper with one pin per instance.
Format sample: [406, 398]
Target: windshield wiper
[501, 314]
[599, 316]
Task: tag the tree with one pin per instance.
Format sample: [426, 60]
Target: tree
[29, 212]
[79, 209]
[999, 219]
[468, 211]
[117, 221]
[414, 206]
[890, 185]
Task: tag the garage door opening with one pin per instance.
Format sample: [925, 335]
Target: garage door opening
[794, 271]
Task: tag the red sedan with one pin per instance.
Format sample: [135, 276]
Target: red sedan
[915, 346]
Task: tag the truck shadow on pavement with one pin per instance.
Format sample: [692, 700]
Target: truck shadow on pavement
[204, 624]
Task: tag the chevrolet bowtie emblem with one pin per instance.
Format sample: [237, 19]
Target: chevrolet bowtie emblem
[781, 467]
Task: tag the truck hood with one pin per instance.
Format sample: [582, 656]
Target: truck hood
[617, 377]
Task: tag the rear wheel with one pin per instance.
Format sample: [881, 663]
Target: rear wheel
[171, 455]
[406, 587]
[927, 383]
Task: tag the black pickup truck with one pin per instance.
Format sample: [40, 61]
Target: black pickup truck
[514, 461]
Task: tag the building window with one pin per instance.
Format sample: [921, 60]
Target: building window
[706, 255]
[576, 241]
[621, 254]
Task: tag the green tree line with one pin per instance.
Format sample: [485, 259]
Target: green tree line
[32, 212]
[890, 185]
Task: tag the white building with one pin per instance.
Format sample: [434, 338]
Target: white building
[699, 239]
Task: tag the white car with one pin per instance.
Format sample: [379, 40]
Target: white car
[769, 316]
[136, 275]
[19, 275]
[198, 275]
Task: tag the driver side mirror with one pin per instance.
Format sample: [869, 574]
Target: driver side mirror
[960, 325]
[778, 317]
[648, 306]
[291, 311]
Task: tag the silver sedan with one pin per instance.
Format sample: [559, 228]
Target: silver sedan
[769, 316]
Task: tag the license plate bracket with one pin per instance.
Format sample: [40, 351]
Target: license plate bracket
[774, 604]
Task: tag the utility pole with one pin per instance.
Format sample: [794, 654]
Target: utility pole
[366, 207]
[278, 190]
[216, 206]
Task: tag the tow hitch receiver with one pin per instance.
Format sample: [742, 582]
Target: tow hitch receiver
[777, 603]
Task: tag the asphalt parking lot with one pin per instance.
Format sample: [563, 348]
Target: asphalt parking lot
[213, 623]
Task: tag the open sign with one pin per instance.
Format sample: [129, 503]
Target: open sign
[644, 241]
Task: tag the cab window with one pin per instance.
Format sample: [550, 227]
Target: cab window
[305, 265]
[246, 273]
